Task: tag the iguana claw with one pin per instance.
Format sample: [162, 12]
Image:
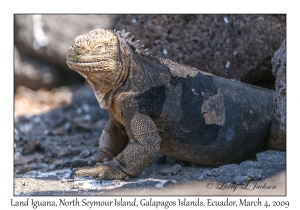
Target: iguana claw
[73, 175]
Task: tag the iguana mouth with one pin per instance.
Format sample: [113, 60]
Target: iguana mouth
[86, 66]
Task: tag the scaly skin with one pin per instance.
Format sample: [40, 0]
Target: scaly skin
[161, 106]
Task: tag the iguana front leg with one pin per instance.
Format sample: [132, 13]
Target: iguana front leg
[112, 142]
[135, 157]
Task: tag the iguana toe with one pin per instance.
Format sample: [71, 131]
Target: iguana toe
[90, 161]
[73, 174]
[107, 170]
[79, 163]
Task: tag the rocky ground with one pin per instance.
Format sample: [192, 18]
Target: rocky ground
[150, 183]
[57, 119]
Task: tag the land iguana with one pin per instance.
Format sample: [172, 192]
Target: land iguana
[156, 105]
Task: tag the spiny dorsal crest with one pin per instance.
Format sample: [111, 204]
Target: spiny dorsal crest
[139, 48]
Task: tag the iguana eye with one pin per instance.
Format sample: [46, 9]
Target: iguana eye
[99, 48]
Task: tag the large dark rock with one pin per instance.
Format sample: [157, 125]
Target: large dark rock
[233, 46]
[279, 71]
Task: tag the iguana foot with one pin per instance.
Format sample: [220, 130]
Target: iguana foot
[99, 157]
[108, 170]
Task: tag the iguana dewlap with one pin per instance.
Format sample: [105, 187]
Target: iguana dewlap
[157, 105]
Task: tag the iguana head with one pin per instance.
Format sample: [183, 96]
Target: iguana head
[96, 51]
[100, 56]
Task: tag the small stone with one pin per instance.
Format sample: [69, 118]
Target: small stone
[58, 131]
[30, 146]
[17, 135]
[159, 185]
[79, 110]
[85, 153]
[62, 152]
[241, 179]
[165, 52]
[209, 173]
[168, 183]
[254, 174]
[40, 159]
[171, 171]
[116, 182]
[216, 170]
[87, 118]
[226, 20]
[24, 169]
[47, 132]
[74, 187]
[25, 159]
[47, 158]
[58, 163]
[51, 167]
[67, 126]
[82, 123]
